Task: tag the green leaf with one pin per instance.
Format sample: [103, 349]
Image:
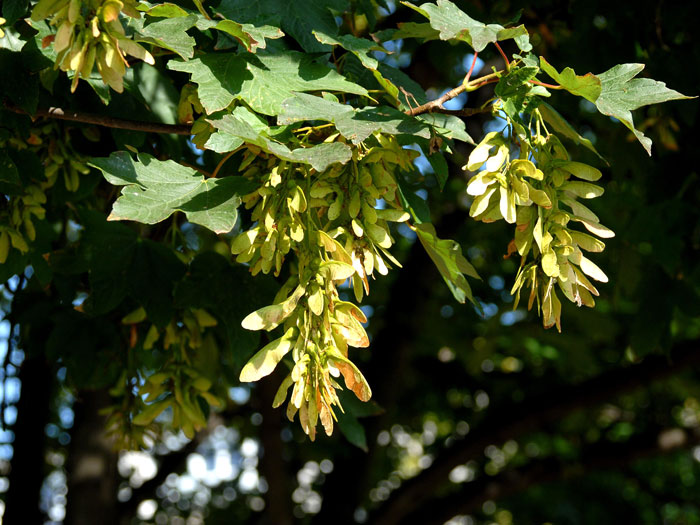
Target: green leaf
[563, 128]
[223, 142]
[519, 34]
[265, 361]
[216, 285]
[439, 165]
[13, 10]
[166, 10]
[318, 157]
[154, 89]
[455, 24]
[352, 429]
[154, 189]
[298, 19]
[621, 93]
[413, 204]
[107, 249]
[91, 349]
[262, 80]
[251, 37]
[170, 34]
[121, 265]
[354, 124]
[361, 47]
[21, 87]
[587, 86]
[449, 126]
[8, 170]
[448, 258]
[423, 31]
[11, 40]
[515, 81]
[153, 272]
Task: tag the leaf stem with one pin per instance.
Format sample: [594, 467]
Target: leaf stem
[223, 161]
[471, 69]
[550, 86]
[311, 128]
[502, 54]
[201, 9]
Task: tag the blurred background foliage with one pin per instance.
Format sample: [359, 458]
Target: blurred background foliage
[478, 417]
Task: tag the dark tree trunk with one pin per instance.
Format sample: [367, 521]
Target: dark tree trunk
[91, 466]
[278, 499]
[28, 468]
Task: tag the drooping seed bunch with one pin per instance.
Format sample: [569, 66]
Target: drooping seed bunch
[535, 192]
[25, 201]
[90, 33]
[184, 384]
[334, 223]
[17, 228]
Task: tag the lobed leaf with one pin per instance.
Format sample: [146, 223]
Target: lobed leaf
[318, 157]
[154, 190]
[263, 80]
[455, 24]
[354, 124]
[621, 93]
[587, 86]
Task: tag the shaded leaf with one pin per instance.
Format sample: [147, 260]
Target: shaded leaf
[170, 33]
[562, 127]
[251, 37]
[448, 258]
[455, 24]
[354, 124]
[298, 19]
[318, 157]
[263, 80]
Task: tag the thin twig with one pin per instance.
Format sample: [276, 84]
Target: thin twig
[466, 112]
[108, 122]
[435, 106]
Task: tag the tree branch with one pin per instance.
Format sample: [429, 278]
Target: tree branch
[600, 456]
[435, 106]
[513, 420]
[103, 120]
[273, 466]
